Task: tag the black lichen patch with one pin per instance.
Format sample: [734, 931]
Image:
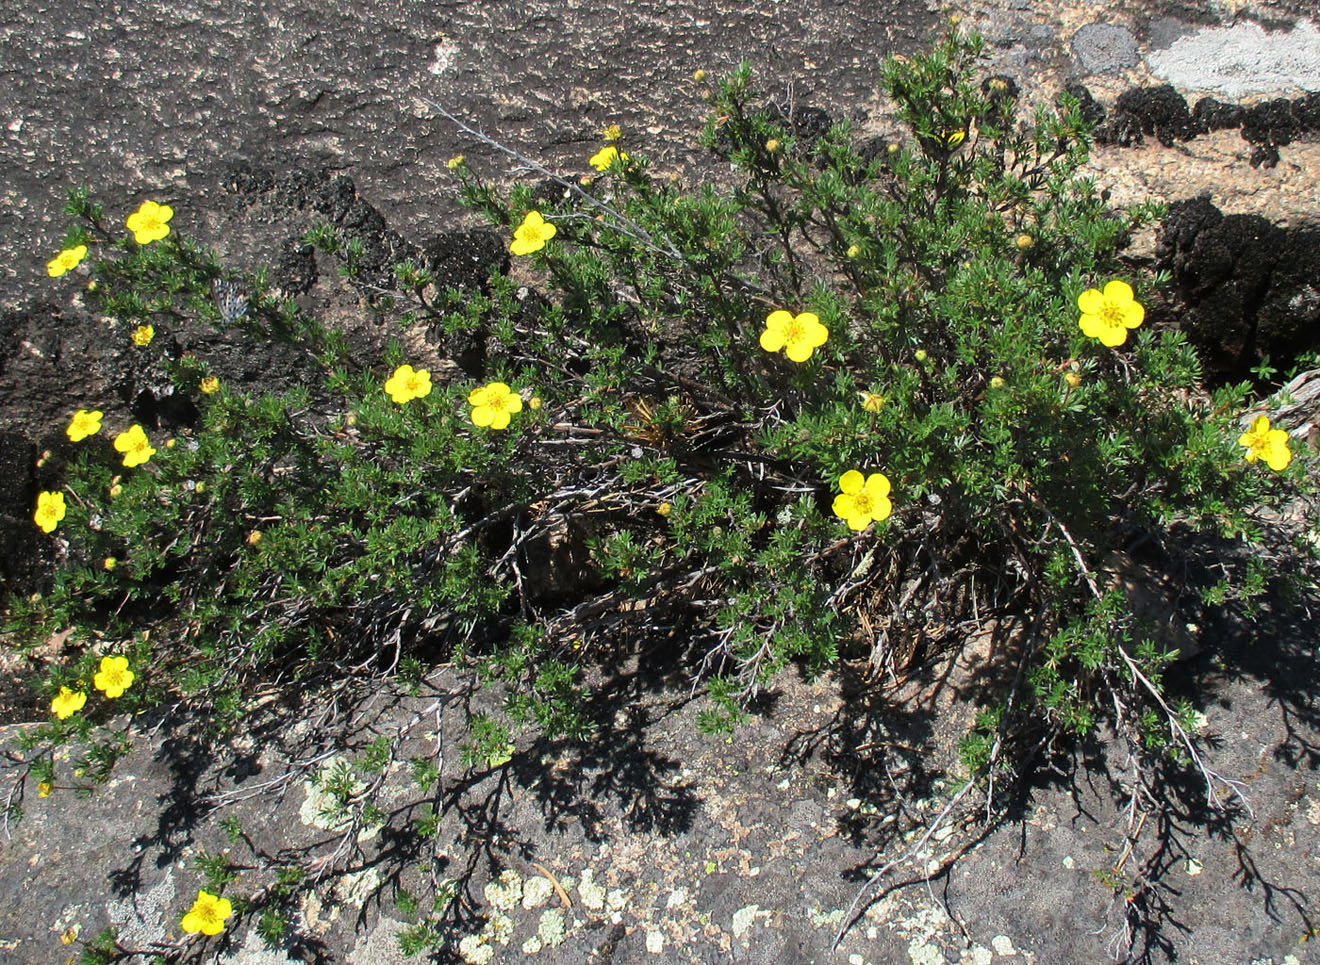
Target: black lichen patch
[1163, 113]
[1250, 289]
[1160, 112]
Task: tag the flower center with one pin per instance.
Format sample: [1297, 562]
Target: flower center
[862, 503]
[794, 331]
[1112, 315]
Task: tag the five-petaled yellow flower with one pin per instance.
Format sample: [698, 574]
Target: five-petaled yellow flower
[150, 222]
[143, 334]
[798, 335]
[606, 156]
[209, 385]
[67, 703]
[114, 677]
[1262, 442]
[863, 499]
[66, 260]
[85, 422]
[532, 234]
[44, 788]
[50, 510]
[455, 162]
[493, 404]
[207, 914]
[1109, 314]
[611, 133]
[132, 442]
[952, 138]
[408, 383]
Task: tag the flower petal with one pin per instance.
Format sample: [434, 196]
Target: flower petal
[1133, 314]
[799, 351]
[851, 482]
[877, 485]
[1091, 301]
[1118, 293]
[772, 339]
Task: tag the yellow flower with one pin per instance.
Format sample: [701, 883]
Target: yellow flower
[951, 139]
[606, 156]
[254, 537]
[1024, 241]
[109, 563]
[493, 404]
[67, 703]
[207, 914]
[1262, 442]
[699, 76]
[532, 234]
[1109, 314]
[44, 788]
[798, 336]
[50, 510]
[143, 334]
[114, 677]
[872, 401]
[85, 422]
[455, 162]
[611, 133]
[150, 222]
[132, 442]
[772, 146]
[863, 499]
[408, 383]
[534, 403]
[209, 385]
[664, 509]
[66, 260]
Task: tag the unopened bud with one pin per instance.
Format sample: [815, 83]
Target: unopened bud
[772, 146]
[663, 509]
[1072, 378]
[109, 563]
[699, 76]
[254, 537]
[1024, 241]
[996, 382]
[920, 355]
[854, 251]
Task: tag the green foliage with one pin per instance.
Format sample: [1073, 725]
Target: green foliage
[667, 485]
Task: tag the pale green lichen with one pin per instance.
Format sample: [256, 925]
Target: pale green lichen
[551, 928]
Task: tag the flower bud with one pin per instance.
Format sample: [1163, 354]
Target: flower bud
[109, 563]
[1024, 241]
[996, 382]
[699, 76]
[1072, 378]
[772, 146]
[663, 509]
[254, 537]
[920, 355]
[854, 251]
[534, 403]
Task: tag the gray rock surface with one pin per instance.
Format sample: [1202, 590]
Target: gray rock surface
[1101, 48]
